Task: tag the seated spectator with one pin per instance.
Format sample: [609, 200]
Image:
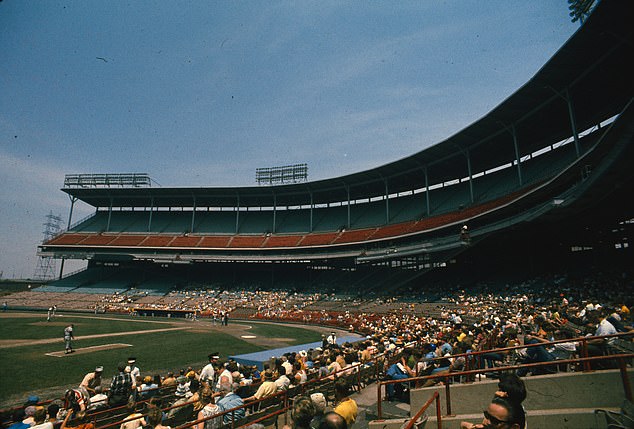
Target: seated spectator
[182, 388]
[99, 400]
[29, 412]
[226, 373]
[300, 376]
[155, 418]
[398, 371]
[346, 406]
[133, 421]
[52, 411]
[41, 421]
[535, 354]
[302, 413]
[149, 387]
[282, 382]
[267, 388]
[120, 388]
[456, 364]
[319, 402]
[332, 420]
[170, 380]
[228, 401]
[209, 409]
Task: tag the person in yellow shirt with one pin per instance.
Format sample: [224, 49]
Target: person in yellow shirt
[346, 406]
[267, 388]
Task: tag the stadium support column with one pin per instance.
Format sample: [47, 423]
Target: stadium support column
[237, 212]
[348, 194]
[274, 212]
[468, 155]
[70, 215]
[191, 229]
[573, 123]
[109, 216]
[387, 203]
[70, 220]
[427, 190]
[312, 205]
[518, 158]
[149, 225]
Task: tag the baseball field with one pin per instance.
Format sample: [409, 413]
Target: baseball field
[32, 358]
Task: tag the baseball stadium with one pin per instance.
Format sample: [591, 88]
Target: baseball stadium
[501, 252]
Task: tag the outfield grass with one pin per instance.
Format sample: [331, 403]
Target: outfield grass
[34, 328]
[26, 369]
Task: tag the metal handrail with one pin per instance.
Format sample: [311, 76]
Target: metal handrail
[434, 397]
[627, 388]
[584, 354]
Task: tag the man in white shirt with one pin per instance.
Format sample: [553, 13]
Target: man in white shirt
[208, 372]
[133, 370]
[287, 365]
[282, 382]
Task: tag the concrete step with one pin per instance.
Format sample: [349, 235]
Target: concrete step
[563, 418]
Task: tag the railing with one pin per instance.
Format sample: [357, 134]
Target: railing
[355, 372]
[434, 397]
[584, 360]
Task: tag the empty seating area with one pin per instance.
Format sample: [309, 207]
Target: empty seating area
[62, 299]
[278, 240]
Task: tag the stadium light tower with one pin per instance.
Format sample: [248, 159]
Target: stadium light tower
[580, 9]
[45, 269]
[283, 175]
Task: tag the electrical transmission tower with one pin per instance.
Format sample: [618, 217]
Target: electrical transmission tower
[45, 269]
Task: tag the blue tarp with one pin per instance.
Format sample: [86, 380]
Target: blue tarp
[258, 358]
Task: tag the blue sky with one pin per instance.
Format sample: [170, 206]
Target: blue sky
[201, 93]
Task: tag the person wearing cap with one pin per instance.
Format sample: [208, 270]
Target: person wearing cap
[32, 400]
[182, 388]
[68, 339]
[149, 388]
[267, 388]
[208, 373]
[133, 370]
[92, 380]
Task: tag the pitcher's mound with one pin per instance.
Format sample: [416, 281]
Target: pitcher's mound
[90, 349]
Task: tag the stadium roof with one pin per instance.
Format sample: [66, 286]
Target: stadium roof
[593, 69]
